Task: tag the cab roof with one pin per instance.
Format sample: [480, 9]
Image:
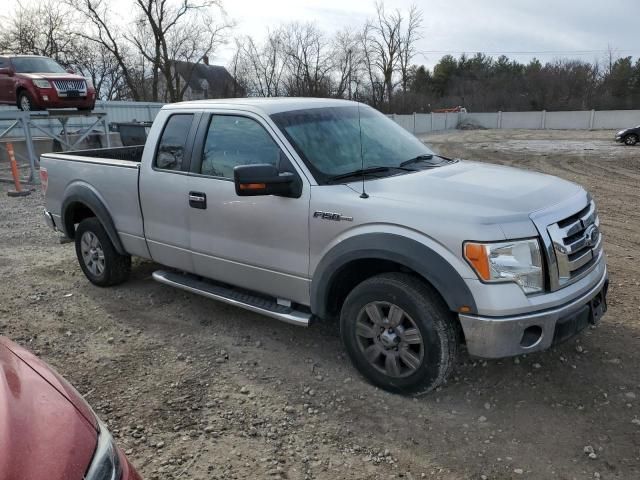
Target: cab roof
[267, 106]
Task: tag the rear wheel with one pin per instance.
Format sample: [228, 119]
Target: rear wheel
[631, 139]
[399, 333]
[98, 258]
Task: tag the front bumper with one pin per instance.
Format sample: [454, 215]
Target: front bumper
[50, 98]
[497, 337]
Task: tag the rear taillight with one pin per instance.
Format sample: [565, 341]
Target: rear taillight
[44, 180]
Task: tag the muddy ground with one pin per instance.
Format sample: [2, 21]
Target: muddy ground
[194, 389]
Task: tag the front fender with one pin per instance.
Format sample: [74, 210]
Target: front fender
[396, 248]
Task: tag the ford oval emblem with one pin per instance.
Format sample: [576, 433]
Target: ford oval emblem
[591, 236]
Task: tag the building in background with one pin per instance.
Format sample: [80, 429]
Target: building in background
[203, 81]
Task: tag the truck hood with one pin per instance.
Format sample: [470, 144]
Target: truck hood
[484, 192]
[42, 433]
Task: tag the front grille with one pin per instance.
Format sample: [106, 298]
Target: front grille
[577, 243]
[70, 85]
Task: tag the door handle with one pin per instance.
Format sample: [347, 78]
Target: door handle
[198, 200]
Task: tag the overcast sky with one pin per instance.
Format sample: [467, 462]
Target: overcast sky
[564, 26]
[561, 28]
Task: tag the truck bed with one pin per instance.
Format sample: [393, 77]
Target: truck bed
[112, 175]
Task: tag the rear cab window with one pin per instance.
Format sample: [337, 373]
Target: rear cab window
[172, 147]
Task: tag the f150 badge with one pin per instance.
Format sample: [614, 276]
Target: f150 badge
[336, 217]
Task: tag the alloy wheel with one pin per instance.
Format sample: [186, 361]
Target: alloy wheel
[92, 253]
[389, 339]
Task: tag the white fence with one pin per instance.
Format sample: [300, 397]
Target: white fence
[574, 120]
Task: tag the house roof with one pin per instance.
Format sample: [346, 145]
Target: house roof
[215, 78]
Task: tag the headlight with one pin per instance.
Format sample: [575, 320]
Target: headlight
[620, 132]
[41, 83]
[105, 464]
[89, 82]
[517, 261]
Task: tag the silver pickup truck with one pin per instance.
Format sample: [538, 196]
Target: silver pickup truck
[304, 209]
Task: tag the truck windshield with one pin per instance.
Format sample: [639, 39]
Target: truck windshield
[36, 65]
[334, 141]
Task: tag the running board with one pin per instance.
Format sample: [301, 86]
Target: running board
[239, 298]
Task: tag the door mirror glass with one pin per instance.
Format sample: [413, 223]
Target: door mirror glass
[265, 179]
[5, 71]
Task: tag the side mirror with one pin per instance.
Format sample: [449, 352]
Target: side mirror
[262, 179]
[6, 71]
[71, 71]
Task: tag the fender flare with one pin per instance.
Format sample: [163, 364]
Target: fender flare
[402, 250]
[84, 195]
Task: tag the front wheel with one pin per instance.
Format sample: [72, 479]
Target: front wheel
[98, 258]
[631, 139]
[25, 102]
[399, 333]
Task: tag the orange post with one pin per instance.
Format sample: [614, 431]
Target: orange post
[18, 192]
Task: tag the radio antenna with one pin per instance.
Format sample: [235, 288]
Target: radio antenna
[364, 193]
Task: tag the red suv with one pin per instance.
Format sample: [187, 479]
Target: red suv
[39, 83]
[47, 430]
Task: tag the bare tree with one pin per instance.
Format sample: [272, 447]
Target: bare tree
[348, 63]
[382, 40]
[262, 66]
[408, 39]
[44, 28]
[167, 32]
[307, 60]
[102, 30]
[164, 32]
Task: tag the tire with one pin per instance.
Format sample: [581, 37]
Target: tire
[97, 256]
[25, 102]
[413, 367]
[87, 109]
[631, 139]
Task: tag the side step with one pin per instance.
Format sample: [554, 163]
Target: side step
[239, 298]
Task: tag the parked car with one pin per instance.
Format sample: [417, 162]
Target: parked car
[38, 83]
[47, 430]
[303, 209]
[629, 136]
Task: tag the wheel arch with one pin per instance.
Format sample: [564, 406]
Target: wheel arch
[357, 258]
[81, 202]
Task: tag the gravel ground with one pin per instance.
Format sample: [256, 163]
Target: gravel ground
[195, 389]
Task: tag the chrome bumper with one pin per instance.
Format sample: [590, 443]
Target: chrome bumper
[497, 337]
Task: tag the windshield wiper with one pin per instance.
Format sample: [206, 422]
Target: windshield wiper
[417, 159]
[359, 173]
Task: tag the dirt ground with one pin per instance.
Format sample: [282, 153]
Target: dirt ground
[194, 389]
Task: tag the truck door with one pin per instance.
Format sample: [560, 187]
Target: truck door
[164, 189]
[259, 243]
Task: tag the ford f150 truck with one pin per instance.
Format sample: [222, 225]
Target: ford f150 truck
[303, 209]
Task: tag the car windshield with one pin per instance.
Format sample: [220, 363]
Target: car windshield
[334, 141]
[36, 65]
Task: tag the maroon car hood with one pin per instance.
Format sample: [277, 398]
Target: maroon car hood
[43, 433]
[52, 76]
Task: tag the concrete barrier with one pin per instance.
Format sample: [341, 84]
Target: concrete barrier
[570, 120]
